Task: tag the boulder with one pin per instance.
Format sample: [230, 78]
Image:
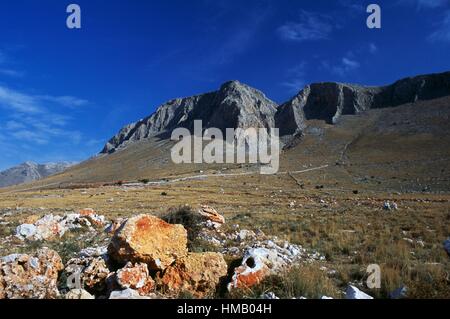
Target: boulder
[354, 293]
[135, 277]
[265, 259]
[148, 239]
[211, 214]
[92, 216]
[78, 294]
[196, 273]
[30, 277]
[25, 231]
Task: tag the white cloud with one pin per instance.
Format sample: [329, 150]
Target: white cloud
[373, 48]
[68, 101]
[346, 65]
[310, 26]
[442, 32]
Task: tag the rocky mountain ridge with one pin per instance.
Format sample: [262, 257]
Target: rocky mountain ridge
[238, 105]
[30, 171]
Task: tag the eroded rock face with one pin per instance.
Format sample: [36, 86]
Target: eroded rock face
[148, 239]
[211, 214]
[135, 277]
[30, 277]
[197, 273]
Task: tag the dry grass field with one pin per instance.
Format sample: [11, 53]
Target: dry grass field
[336, 209]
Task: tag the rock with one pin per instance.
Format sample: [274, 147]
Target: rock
[243, 106]
[148, 239]
[211, 214]
[126, 294]
[326, 297]
[92, 216]
[91, 271]
[196, 273]
[447, 246]
[78, 294]
[269, 295]
[390, 206]
[256, 264]
[399, 293]
[354, 293]
[25, 231]
[115, 224]
[51, 226]
[135, 277]
[245, 234]
[30, 277]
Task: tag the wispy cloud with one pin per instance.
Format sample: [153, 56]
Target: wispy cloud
[12, 73]
[344, 66]
[373, 48]
[425, 4]
[32, 118]
[309, 27]
[442, 32]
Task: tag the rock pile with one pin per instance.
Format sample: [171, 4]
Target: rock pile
[52, 226]
[31, 277]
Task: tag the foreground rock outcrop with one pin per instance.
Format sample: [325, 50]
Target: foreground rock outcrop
[196, 273]
[30, 277]
[148, 239]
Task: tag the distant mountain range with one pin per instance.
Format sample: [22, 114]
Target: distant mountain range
[30, 171]
[238, 105]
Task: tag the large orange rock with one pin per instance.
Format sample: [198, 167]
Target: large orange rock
[197, 273]
[148, 239]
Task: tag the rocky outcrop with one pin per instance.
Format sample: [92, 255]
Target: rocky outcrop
[148, 239]
[29, 171]
[329, 101]
[197, 273]
[238, 105]
[30, 277]
[233, 105]
[52, 226]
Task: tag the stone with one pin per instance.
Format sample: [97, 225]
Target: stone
[269, 295]
[92, 216]
[126, 294]
[92, 272]
[211, 214]
[148, 239]
[135, 277]
[390, 206]
[354, 293]
[30, 277]
[25, 231]
[78, 294]
[197, 273]
[244, 234]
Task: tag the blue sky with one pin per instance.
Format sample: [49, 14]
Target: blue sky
[64, 92]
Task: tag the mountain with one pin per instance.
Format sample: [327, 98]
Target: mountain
[388, 137]
[233, 105]
[329, 101]
[30, 171]
[238, 105]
